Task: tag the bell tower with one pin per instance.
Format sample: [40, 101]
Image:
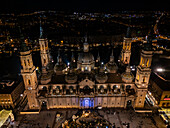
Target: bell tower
[44, 52]
[126, 51]
[28, 73]
[143, 74]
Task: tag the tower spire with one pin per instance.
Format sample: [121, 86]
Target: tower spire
[41, 30]
[112, 57]
[24, 47]
[128, 33]
[85, 38]
[148, 46]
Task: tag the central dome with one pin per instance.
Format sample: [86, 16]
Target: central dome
[85, 57]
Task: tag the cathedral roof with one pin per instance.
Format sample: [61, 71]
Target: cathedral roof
[114, 78]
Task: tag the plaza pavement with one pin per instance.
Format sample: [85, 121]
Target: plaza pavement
[115, 116]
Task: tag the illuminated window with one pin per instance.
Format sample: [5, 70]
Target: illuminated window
[137, 77]
[147, 63]
[143, 63]
[141, 60]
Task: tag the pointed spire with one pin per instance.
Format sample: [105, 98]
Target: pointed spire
[98, 57]
[72, 57]
[24, 48]
[41, 30]
[112, 57]
[128, 33]
[85, 38]
[112, 53]
[148, 46]
[59, 59]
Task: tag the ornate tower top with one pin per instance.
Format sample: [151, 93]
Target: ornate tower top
[128, 34]
[24, 47]
[148, 46]
[112, 57]
[41, 31]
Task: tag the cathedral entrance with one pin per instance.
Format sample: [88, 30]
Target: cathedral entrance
[87, 103]
[44, 105]
[129, 104]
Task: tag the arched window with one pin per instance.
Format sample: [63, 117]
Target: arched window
[44, 61]
[44, 88]
[24, 63]
[42, 47]
[147, 63]
[29, 82]
[28, 62]
[137, 77]
[144, 79]
[141, 61]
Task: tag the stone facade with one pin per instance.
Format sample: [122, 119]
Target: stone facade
[81, 88]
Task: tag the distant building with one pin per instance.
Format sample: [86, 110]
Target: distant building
[159, 95]
[11, 93]
[82, 84]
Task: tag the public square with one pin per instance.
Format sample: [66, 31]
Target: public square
[118, 117]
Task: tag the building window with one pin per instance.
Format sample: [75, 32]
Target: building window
[147, 63]
[29, 82]
[144, 79]
[28, 62]
[24, 63]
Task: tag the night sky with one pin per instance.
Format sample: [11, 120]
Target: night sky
[21, 5]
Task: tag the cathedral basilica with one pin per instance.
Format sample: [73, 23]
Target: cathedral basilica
[86, 82]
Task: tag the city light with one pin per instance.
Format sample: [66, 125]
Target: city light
[160, 69]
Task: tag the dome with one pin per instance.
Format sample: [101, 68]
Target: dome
[101, 77]
[58, 68]
[112, 67]
[71, 78]
[127, 76]
[85, 57]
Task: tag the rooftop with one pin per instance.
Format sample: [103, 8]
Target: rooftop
[160, 81]
[7, 86]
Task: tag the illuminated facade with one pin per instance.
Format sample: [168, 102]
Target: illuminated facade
[126, 51]
[87, 85]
